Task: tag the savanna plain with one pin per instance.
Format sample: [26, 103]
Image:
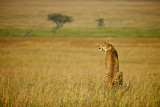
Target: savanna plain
[66, 70]
[69, 72]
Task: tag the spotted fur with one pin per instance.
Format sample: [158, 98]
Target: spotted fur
[112, 76]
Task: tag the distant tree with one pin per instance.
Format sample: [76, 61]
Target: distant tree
[59, 20]
[100, 22]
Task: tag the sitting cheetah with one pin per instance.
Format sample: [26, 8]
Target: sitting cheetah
[112, 76]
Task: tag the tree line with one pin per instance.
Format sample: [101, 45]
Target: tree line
[60, 20]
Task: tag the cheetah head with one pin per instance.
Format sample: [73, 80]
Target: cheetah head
[105, 46]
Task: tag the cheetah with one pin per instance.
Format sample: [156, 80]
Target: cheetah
[112, 76]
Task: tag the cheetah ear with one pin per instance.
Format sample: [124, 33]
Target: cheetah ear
[110, 45]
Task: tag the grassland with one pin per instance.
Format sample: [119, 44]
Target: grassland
[122, 18]
[69, 72]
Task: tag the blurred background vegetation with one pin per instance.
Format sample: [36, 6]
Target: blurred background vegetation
[122, 18]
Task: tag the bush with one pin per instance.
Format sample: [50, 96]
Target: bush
[100, 22]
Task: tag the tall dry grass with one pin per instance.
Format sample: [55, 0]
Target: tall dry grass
[69, 72]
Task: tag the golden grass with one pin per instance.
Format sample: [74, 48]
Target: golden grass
[33, 14]
[69, 72]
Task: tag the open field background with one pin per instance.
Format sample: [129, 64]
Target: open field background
[122, 18]
[69, 72]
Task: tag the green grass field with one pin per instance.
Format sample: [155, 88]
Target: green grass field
[80, 32]
[69, 72]
[122, 18]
